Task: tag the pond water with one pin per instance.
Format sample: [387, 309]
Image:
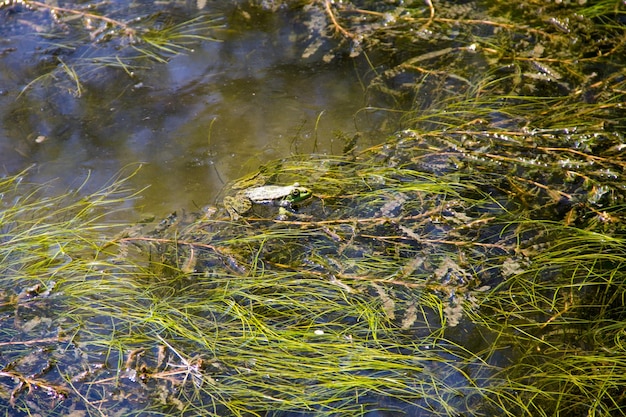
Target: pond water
[431, 268]
[208, 116]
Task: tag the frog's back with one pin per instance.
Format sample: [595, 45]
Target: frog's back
[267, 193]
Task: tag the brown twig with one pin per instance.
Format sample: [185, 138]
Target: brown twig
[31, 342]
[429, 3]
[53, 9]
[336, 24]
[27, 382]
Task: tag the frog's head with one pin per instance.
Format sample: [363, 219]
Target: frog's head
[298, 194]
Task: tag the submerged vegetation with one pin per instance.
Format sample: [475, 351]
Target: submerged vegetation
[77, 43]
[469, 264]
[365, 301]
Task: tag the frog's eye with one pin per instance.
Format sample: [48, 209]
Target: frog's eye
[295, 192]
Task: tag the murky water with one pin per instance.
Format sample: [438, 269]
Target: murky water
[208, 116]
[401, 251]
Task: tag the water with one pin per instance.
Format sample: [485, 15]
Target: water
[205, 118]
[263, 92]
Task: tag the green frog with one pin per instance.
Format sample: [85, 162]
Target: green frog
[284, 197]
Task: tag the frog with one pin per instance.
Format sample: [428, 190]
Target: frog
[285, 197]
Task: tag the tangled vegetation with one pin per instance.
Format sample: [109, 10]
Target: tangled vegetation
[470, 264]
[364, 301]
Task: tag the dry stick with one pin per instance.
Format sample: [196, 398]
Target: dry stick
[159, 240]
[84, 14]
[56, 390]
[336, 24]
[556, 316]
[432, 18]
[429, 3]
[32, 342]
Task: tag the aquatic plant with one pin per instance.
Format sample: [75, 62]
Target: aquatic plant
[470, 264]
[78, 43]
[366, 300]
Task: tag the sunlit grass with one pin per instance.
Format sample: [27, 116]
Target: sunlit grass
[473, 264]
[261, 333]
[360, 302]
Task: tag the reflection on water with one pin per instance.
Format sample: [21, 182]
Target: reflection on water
[196, 123]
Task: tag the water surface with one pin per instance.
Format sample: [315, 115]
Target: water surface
[209, 115]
